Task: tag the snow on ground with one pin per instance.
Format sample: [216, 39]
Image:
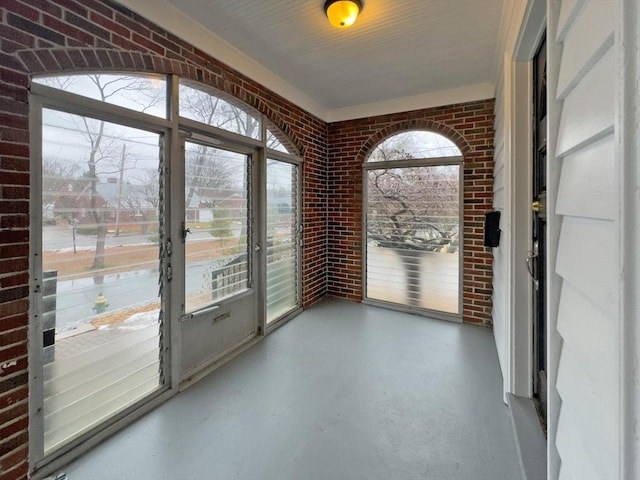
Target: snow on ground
[137, 321]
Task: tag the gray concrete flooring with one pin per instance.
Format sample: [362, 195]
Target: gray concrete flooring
[343, 391]
[530, 438]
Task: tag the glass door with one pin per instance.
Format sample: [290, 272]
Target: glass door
[282, 239]
[219, 309]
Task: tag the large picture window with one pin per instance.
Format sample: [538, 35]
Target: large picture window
[413, 203]
[100, 258]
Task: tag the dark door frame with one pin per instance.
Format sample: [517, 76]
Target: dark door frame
[536, 261]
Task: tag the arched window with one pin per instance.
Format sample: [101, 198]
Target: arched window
[214, 108]
[413, 224]
[414, 144]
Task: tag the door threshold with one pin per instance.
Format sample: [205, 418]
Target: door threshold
[531, 442]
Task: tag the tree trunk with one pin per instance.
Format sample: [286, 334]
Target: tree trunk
[101, 236]
[411, 263]
[120, 180]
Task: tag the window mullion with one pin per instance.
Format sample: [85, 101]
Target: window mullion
[174, 216]
[418, 162]
[225, 137]
[72, 103]
[36, 369]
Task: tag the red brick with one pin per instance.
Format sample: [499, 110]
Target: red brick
[14, 250]
[154, 47]
[9, 309]
[13, 460]
[12, 338]
[12, 353]
[98, 6]
[91, 58]
[19, 38]
[35, 29]
[109, 24]
[15, 472]
[21, 9]
[16, 410]
[14, 396]
[47, 7]
[15, 427]
[124, 43]
[132, 25]
[13, 366]
[84, 38]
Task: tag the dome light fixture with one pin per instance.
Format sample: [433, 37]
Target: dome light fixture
[342, 13]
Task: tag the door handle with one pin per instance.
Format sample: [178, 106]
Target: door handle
[540, 206]
[185, 231]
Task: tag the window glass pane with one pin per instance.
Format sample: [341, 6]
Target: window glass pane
[216, 202]
[274, 144]
[414, 145]
[413, 236]
[146, 94]
[282, 248]
[211, 109]
[101, 306]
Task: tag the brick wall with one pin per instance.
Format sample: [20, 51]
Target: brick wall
[41, 36]
[470, 127]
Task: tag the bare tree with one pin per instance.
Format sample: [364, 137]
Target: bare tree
[218, 112]
[105, 148]
[413, 208]
[135, 206]
[59, 184]
[149, 188]
[205, 170]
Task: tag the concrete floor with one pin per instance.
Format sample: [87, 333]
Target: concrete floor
[344, 391]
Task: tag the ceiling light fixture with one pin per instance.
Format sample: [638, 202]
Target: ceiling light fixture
[342, 13]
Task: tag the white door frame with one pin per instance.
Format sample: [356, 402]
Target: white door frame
[518, 97]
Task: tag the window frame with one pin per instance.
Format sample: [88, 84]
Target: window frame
[279, 156]
[251, 155]
[44, 97]
[171, 129]
[412, 163]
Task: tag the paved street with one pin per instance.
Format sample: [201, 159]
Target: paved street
[60, 237]
[75, 299]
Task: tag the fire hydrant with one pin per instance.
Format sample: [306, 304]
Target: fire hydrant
[101, 303]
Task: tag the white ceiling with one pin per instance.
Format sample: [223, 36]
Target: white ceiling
[400, 54]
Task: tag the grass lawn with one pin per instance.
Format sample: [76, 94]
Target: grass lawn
[124, 258]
